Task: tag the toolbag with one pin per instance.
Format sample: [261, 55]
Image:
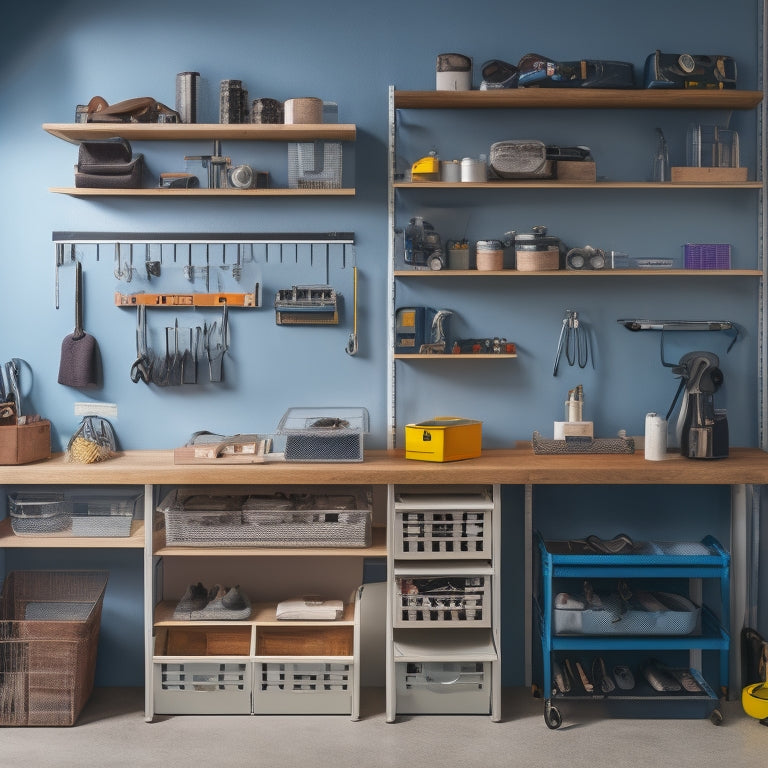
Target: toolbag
[108, 163]
[520, 159]
[685, 70]
[143, 109]
[539, 71]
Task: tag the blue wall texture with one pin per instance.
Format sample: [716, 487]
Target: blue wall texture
[57, 55]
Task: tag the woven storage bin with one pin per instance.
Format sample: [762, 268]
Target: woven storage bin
[49, 636]
[537, 261]
[39, 514]
[305, 520]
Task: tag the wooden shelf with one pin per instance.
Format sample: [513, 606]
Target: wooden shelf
[450, 356]
[555, 184]
[474, 273]
[262, 614]
[578, 98]
[76, 132]
[508, 466]
[378, 548]
[9, 539]
[157, 192]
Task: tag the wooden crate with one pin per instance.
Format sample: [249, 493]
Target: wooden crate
[304, 641]
[207, 641]
[23, 443]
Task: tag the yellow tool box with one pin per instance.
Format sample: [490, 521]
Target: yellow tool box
[444, 438]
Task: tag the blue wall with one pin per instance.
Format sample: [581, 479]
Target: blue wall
[57, 55]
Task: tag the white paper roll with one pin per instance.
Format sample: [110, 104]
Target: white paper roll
[655, 437]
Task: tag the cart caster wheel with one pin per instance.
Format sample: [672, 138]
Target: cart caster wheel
[716, 717]
[553, 718]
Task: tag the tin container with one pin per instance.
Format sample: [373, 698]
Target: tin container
[536, 251]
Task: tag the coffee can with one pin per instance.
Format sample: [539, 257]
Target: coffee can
[187, 94]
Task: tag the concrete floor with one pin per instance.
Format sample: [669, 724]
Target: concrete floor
[112, 733]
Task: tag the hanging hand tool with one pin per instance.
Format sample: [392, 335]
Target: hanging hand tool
[216, 345]
[141, 370]
[351, 348]
[574, 339]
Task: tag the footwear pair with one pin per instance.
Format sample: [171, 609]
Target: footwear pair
[199, 603]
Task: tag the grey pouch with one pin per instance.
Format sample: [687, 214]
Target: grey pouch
[520, 159]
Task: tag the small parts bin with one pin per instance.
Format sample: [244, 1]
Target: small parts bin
[49, 632]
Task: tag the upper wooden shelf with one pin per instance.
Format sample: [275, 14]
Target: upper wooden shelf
[579, 273]
[168, 193]
[577, 98]
[76, 132]
[555, 184]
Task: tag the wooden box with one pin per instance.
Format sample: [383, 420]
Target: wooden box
[576, 170]
[304, 641]
[23, 443]
[707, 175]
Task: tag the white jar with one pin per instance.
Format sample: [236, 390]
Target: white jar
[473, 170]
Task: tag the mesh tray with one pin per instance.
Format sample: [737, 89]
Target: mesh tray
[313, 520]
[680, 618]
[39, 514]
[588, 445]
[324, 434]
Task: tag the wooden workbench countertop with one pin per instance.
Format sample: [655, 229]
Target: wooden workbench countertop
[516, 466]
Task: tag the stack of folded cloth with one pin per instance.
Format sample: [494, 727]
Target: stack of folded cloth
[108, 164]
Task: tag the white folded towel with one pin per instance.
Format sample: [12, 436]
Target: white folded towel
[310, 610]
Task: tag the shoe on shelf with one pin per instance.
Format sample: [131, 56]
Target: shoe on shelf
[600, 677]
[624, 677]
[194, 599]
[561, 679]
[234, 599]
[659, 678]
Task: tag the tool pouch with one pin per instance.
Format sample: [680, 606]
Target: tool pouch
[520, 159]
[143, 109]
[685, 70]
[116, 176]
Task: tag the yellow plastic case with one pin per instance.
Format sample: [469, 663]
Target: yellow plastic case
[444, 438]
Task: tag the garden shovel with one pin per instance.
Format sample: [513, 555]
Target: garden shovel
[79, 351]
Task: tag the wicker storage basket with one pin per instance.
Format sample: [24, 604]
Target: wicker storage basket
[49, 635]
[537, 261]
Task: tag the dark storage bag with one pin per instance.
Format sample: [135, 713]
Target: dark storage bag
[685, 70]
[124, 176]
[105, 156]
[537, 70]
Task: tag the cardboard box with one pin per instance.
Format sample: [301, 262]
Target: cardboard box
[707, 175]
[444, 438]
[23, 443]
[576, 170]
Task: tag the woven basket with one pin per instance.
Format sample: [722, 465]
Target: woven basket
[489, 260]
[537, 261]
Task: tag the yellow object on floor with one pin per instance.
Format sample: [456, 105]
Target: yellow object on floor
[754, 699]
[444, 438]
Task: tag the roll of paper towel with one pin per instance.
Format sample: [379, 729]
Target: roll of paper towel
[655, 437]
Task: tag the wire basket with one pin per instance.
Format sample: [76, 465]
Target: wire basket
[324, 434]
[48, 642]
[314, 165]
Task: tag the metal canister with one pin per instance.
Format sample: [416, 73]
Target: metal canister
[187, 94]
[536, 251]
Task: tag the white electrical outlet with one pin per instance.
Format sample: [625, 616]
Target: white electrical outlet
[96, 409]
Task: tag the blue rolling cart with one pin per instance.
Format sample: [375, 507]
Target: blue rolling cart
[619, 613]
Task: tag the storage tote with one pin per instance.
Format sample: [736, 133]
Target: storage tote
[49, 635]
[324, 434]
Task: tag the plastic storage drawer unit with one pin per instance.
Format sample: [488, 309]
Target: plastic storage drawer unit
[218, 686]
[434, 526]
[303, 688]
[442, 687]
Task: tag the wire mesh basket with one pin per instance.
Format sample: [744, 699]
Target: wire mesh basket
[38, 514]
[326, 434]
[314, 165]
[49, 635]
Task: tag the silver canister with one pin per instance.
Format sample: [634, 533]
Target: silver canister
[187, 95]
[453, 72]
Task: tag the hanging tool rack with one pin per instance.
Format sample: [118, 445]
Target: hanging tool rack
[149, 257]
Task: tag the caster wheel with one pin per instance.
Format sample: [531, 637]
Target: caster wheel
[553, 718]
[716, 717]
